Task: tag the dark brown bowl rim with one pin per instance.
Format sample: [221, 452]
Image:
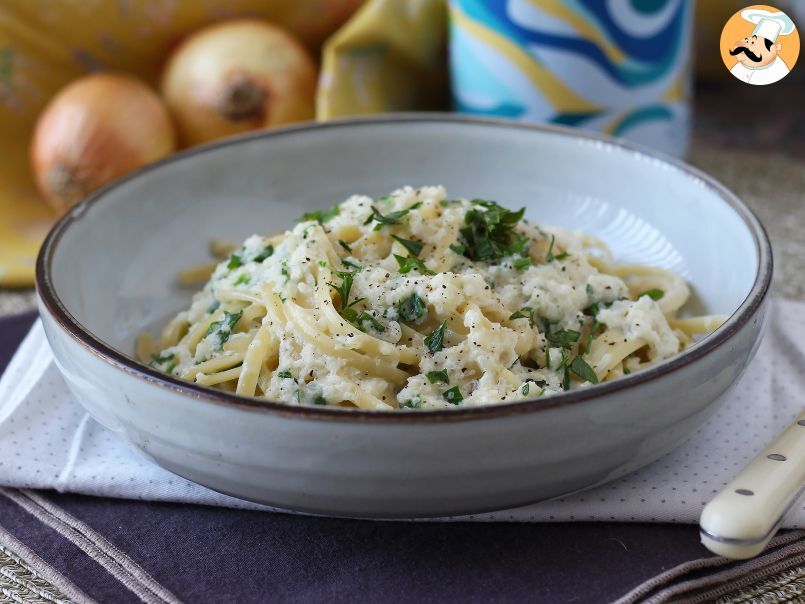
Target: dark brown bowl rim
[51, 302]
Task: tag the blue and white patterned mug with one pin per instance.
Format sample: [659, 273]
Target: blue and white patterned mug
[622, 67]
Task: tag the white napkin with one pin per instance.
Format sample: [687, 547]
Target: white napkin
[47, 441]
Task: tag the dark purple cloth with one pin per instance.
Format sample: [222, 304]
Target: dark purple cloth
[206, 554]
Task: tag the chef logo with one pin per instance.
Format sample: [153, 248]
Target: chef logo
[760, 45]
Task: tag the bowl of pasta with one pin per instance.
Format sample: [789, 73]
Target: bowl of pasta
[410, 315]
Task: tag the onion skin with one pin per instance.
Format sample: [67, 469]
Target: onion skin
[94, 130]
[237, 76]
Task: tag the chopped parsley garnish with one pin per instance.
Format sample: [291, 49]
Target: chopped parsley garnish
[284, 271]
[438, 377]
[413, 308]
[351, 265]
[592, 309]
[321, 216]
[285, 375]
[242, 280]
[626, 371]
[563, 338]
[562, 256]
[593, 329]
[526, 388]
[221, 330]
[453, 396]
[365, 317]
[213, 307]
[489, 232]
[435, 341]
[267, 252]
[580, 367]
[390, 218]
[345, 245]
[161, 359]
[414, 403]
[654, 293]
[457, 248]
[319, 400]
[344, 288]
[448, 202]
[521, 263]
[234, 262]
[409, 264]
[526, 312]
[413, 247]
[549, 256]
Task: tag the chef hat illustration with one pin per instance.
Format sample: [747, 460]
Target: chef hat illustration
[769, 25]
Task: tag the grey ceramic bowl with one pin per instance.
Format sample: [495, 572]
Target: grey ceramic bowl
[107, 271]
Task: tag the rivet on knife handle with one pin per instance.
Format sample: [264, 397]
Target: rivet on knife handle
[741, 519]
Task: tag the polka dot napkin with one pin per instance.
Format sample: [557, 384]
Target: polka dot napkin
[48, 441]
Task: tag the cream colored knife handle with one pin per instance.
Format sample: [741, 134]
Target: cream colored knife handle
[741, 519]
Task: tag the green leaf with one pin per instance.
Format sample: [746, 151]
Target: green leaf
[319, 400]
[222, 329]
[352, 265]
[562, 256]
[160, 359]
[267, 252]
[414, 403]
[435, 341]
[526, 312]
[580, 367]
[390, 218]
[234, 262]
[448, 202]
[345, 245]
[365, 317]
[413, 247]
[409, 264]
[521, 264]
[242, 280]
[413, 308]
[457, 248]
[321, 216]
[436, 377]
[453, 396]
[549, 255]
[654, 293]
[285, 374]
[344, 287]
[489, 232]
[563, 338]
[593, 329]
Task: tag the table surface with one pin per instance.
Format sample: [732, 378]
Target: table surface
[330, 558]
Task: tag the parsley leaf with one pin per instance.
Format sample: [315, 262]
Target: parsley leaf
[222, 329]
[654, 293]
[235, 261]
[489, 232]
[413, 247]
[457, 248]
[562, 256]
[448, 202]
[521, 264]
[345, 245]
[390, 218]
[242, 280]
[365, 317]
[549, 256]
[321, 216]
[453, 396]
[593, 329]
[352, 265]
[526, 312]
[162, 358]
[267, 252]
[563, 338]
[344, 288]
[580, 367]
[285, 374]
[413, 308]
[414, 403]
[319, 400]
[436, 377]
[435, 341]
[409, 264]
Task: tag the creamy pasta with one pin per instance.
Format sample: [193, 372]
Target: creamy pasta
[419, 301]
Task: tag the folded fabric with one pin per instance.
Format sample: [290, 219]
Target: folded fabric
[48, 441]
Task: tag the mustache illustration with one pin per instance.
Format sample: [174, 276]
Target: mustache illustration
[752, 56]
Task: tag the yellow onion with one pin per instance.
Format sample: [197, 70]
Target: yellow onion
[237, 76]
[96, 129]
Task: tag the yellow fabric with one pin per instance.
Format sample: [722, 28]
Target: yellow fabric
[46, 43]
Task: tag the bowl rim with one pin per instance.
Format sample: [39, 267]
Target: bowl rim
[50, 301]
